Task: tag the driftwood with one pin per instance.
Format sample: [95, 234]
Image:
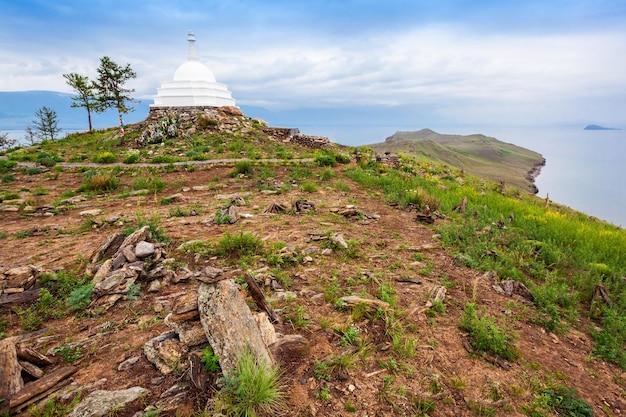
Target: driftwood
[40, 388]
[259, 298]
[27, 296]
[10, 372]
[31, 355]
[31, 369]
[600, 292]
[461, 207]
[353, 300]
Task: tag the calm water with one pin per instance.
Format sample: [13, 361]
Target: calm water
[584, 170]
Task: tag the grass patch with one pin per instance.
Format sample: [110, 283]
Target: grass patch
[253, 389]
[242, 244]
[486, 335]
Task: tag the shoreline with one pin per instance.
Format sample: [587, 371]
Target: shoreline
[532, 175]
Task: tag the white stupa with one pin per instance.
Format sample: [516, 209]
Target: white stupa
[194, 85]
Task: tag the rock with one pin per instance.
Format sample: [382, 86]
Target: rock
[92, 212]
[303, 206]
[21, 277]
[155, 286]
[101, 403]
[353, 300]
[9, 208]
[229, 324]
[268, 333]
[109, 247]
[31, 369]
[166, 352]
[144, 249]
[231, 110]
[136, 237]
[128, 363]
[309, 250]
[188, 327]
[209, 274]
[337, 239]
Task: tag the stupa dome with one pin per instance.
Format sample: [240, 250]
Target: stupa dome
[194, 85]
[194, 71]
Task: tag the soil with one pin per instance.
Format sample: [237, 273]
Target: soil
[382, 381]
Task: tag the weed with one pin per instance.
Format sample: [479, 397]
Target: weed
[322, 371]
[486, 335]
[243, 244]
[324, 394]
[252, 389]
[52, 408]
[210, 361]
[350, 407]
[153, 184]
[308, 187]
[68, 353]
[327, 173]
[80, 297]
[100, 182]
[299, 319]
[243, 168]
[105, 157]
[349, 336]
[422, 406]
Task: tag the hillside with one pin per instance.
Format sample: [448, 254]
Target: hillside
[478, 155]
[419, 291]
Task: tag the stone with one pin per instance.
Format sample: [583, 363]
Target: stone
[109, 247]
[21, 276]
[128, 363]
[268, 333]
[337, 239]
[353, 300]
[136, 237]
[144, 249]
[101, 403]
[229, 324]
[102, 272]
[190, 331]
[91, 212]
[166, 352]
[155, 286]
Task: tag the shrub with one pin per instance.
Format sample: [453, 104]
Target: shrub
[105, 157]
[131, 158]
[308, 187]
[486, 335]
[6, 178]
[243, 168]
[153, 184]
[47, 159]
[80, 297]
[210, 361]
[100, 182]
[611, 338]
[33, 171]
[327, 174]
[253, 389]
[6, 165]
[243, 244]
[163, 159]
[325, 159]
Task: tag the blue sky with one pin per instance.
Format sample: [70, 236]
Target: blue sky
[502, 62]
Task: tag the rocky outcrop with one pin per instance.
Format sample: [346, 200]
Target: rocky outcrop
[102, 403]
[229, 325]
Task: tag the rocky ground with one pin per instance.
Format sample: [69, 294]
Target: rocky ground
[436, 375]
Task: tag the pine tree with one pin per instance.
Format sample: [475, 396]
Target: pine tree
[46, 124]
[85, 94]
[111, 92]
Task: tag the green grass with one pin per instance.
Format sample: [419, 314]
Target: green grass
[253, 389]
[486, 335]
[242, 244]
[561, 255]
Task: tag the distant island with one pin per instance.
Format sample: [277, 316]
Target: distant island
[597, 127]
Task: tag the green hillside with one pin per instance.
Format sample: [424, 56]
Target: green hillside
[479, 155]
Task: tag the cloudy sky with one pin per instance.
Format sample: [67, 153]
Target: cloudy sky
[498, 62]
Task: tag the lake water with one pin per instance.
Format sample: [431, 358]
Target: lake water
[584, 170]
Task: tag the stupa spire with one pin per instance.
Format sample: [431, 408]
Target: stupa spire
[191, 55]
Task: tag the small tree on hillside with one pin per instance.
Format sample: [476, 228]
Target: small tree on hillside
[111, 92]
[46, 124]
[85, 94]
